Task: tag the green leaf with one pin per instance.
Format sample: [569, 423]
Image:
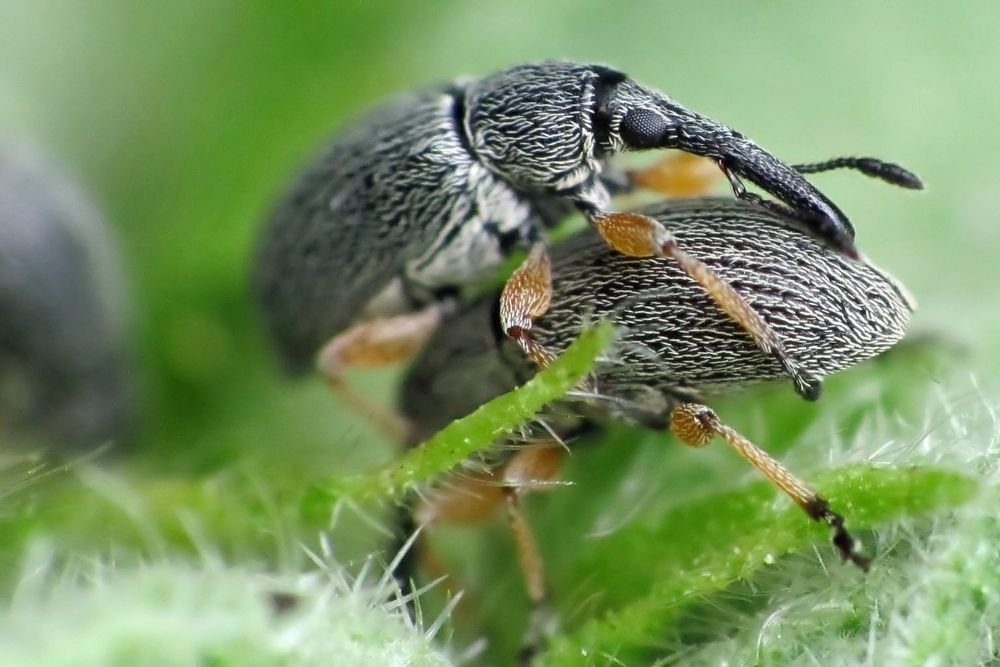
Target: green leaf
[701, 547]
[464, 437]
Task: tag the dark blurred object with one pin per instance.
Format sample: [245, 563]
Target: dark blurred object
[64, 379]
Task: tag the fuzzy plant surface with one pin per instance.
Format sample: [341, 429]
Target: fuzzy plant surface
[654, 556]
[655, 553]
[156, 608]
[205, 613]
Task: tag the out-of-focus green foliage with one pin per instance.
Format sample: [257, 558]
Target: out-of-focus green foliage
[184, 120]
[491, 423]
[176, 613]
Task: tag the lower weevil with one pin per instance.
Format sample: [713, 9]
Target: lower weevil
[680, 344]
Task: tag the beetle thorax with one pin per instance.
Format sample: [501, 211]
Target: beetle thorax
[532, 125]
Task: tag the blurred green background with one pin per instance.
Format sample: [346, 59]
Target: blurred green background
[185, 118]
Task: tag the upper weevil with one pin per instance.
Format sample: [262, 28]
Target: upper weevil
[64, 376]
[431, 191]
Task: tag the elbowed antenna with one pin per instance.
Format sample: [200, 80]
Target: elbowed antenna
[889, 172]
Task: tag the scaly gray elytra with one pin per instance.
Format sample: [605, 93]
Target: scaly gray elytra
[677, 347]
[64, 377]
[430, 192]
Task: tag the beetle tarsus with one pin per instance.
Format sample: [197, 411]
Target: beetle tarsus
[542, 624]
[819, 509]
[807, 386]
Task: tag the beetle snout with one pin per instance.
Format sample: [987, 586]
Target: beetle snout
[741, 157]
[737, 156]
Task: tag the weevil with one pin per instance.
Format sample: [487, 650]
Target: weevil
[677, 348]
[430, 192]
[64, 375]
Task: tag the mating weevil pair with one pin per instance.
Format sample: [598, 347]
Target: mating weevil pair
[370, 249]
[430, 192]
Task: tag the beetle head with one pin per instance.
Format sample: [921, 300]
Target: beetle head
[628, 116]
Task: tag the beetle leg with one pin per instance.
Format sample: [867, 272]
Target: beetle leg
[526, 296]
[528, 471]
[371, 344]
[474, 498]
[696, 425]
[638, 235]
[468, 499]
[679, 174]
[471, 498]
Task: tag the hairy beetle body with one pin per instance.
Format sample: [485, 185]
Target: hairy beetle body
[830, 312]
[675, 344]
[430, 192]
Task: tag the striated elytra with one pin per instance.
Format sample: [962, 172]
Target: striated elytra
[675, 344]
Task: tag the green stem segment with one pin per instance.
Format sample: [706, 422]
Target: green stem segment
[464, 437]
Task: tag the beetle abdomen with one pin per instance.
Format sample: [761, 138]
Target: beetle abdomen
[378, 194]
[830, 312]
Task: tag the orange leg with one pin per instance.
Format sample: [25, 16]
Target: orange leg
[526, 296]
[468, 500]
[638, 235]
[697, 425]
[533, 469]
[371, 344]
[474, 498]
[678, 175]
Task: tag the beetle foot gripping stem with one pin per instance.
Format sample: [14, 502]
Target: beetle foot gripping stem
[638, 235]
[695, 425]
[842, 539]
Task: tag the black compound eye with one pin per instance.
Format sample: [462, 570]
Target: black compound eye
[643, 128]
